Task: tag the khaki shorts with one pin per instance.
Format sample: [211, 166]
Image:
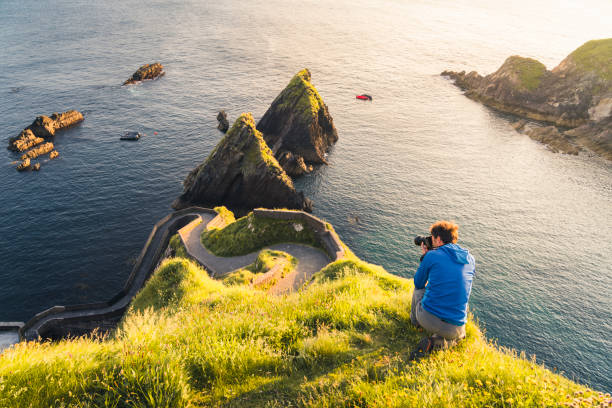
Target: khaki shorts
[422, 318]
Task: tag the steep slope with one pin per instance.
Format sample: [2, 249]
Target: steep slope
[241, 173]
[298, 126]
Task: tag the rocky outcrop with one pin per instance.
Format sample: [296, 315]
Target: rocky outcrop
[577, 93]
[223, 122]
[555, 140]
[38, 151]
[43, 127]
[36, 167]
[147, 71]
[241, 173]
[24, 165]
[53, 155]
[26, 140]
[298, 122]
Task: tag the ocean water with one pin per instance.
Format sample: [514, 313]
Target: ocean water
[538, 223]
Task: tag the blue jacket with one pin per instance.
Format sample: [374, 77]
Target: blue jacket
[448, 272]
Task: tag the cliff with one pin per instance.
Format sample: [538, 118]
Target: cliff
[241, 173]
[343, 340]
[575, 94]
[298, 127]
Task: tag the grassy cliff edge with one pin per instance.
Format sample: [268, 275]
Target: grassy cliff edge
[344, 340]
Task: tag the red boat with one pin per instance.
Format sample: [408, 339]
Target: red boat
[364, 97]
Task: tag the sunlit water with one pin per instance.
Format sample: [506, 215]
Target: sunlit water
[538, 223]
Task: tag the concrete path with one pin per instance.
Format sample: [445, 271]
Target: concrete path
[310, 260]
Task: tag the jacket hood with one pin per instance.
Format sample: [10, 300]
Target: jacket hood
[456, 253]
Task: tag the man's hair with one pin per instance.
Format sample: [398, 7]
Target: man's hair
[447, 231]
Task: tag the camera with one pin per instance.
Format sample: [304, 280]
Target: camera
[418, 240]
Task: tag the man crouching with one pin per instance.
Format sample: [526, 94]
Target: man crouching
[442, 286]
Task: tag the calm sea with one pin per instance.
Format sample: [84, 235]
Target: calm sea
[538, 223]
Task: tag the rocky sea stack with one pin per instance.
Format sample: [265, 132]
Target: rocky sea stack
[241, 173]
[576, 94]
[298, 127]
[147, 71]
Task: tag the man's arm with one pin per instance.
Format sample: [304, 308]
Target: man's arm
[422, 273]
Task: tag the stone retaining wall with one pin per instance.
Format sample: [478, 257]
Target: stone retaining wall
[327, 236]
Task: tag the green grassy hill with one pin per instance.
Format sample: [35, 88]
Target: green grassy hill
[342, 341]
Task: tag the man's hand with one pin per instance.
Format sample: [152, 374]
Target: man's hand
[423, 248]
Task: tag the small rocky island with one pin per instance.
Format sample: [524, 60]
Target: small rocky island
[147, 71]
[575, 97]
[241, 173]
[44, 127]
[298, 127]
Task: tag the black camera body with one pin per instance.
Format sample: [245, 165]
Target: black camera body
[418, 240]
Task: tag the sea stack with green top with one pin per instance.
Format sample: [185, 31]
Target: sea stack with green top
[241, 173]
[298, 127]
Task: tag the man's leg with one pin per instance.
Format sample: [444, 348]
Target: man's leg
[437, 326]
[417, 296]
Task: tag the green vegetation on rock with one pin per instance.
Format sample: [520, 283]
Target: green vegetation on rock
[251, 233]
[595, 56]
[299, 89]
[342, 341]
[177, 246]
[528, 70]
[225, 214]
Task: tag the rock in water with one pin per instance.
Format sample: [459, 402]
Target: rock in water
[223, 122]
[44, 127]
[299, 122]
[53, 154]
[24, 141]
[24, 165]
[36, 167]
[241, 173]
[37, 151]
[147, 71]
[576, 93]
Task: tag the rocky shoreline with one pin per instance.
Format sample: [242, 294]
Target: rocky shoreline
[577, 94]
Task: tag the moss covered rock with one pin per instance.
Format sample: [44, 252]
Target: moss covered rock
[298, 122]
[241, 173]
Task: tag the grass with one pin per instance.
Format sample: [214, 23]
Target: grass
[225, 214]
[595, 56]
[302, 96]
[177, 247]
[265, 261]
[342, 341]
[251, 233]
[528, 70]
